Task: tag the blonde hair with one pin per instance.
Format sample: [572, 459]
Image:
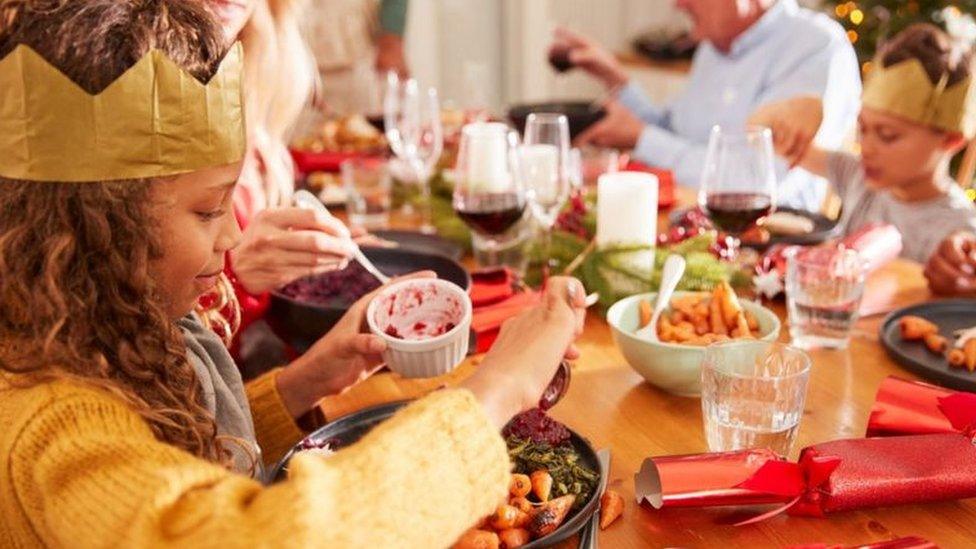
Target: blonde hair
[280, 77]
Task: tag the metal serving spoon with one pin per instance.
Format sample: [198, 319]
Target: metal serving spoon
[674, 269]
[307, 200]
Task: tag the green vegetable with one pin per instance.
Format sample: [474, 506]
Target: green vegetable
[569, 476]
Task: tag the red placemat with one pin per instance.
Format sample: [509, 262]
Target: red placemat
[325, 161]
[665, 178]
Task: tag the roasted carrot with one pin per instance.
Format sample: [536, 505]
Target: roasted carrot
[478, 539]
[504, 517]
[514, 537]
[969, 349]
[521, 503]
[645, 313]
[520, 486]
[541, 484]
[550, 515]
[522, 520]
[743, 325]
[611, 507]
[915, 328]
[716, 320]
[956, 357]
[936, 343]
[752, 321]
[731, 308]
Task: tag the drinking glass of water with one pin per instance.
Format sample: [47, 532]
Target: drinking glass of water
[753, 394]
[823, 294]
[367, 182]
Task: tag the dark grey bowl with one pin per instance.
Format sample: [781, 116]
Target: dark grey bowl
[347, 430]
[578, 113]
[300, 324]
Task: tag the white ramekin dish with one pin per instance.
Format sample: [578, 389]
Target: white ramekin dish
[431, 356]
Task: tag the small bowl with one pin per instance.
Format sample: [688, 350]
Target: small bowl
[580, 114]
[674, 367]
[419, 305]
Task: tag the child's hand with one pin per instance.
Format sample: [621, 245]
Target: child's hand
[342, 358]
[794, 123]
[283, 244]
[951, 270]
[528, 350]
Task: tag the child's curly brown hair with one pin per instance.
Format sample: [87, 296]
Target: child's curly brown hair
[77, 300]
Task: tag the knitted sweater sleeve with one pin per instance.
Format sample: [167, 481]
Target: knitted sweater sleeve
[274, 427]
[87, 471]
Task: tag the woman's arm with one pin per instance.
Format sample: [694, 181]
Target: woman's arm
[89, 472]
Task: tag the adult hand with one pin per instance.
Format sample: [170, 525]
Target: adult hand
[619, 128]
[951, 270]
[342, 358]
[389, 55]
[589, 56]
[529, 348]
[283, 244]
[794, 123]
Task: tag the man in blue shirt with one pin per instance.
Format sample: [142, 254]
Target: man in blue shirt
[751, 53]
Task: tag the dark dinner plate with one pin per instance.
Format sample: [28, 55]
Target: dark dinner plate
[347, 430]
[824, 229]
[578, 113]
[415, 241]
[949, 315]
[300, 324]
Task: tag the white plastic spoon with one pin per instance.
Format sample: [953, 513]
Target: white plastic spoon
[307, 200]
[674, 268]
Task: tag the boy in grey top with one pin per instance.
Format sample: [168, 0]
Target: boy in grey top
[917, 112]
[923, 224]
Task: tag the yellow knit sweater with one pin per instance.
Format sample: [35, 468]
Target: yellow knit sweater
[78, 468]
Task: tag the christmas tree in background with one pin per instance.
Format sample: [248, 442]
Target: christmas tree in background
[869, 22]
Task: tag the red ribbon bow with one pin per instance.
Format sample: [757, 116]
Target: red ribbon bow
[805, 481]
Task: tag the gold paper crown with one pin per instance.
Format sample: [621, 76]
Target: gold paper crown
[155, 120]
[905, 90]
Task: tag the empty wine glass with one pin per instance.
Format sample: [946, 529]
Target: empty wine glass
[412, 119]
[738, 183]
[545, 170]
[488, 193]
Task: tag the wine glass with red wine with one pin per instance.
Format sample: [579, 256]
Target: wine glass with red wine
[488, 192]
[738, 184]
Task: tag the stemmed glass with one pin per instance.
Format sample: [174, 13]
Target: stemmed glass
[738, 183]
[488, 192]
[546, 170]
[412, 119]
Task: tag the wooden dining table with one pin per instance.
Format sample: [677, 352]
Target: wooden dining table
[615, 408]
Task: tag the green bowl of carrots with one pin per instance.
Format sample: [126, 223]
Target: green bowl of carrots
[676, 366]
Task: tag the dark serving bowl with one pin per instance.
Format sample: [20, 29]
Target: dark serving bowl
[349, 429]
[301, 323]
[578, 113]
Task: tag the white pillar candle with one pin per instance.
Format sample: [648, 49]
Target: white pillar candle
[626, 209]
[487, 167]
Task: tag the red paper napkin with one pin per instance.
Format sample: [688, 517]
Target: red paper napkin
[665, 180]
[495, 300]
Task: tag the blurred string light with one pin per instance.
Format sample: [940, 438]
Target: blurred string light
[856, 16]
[852, 36]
